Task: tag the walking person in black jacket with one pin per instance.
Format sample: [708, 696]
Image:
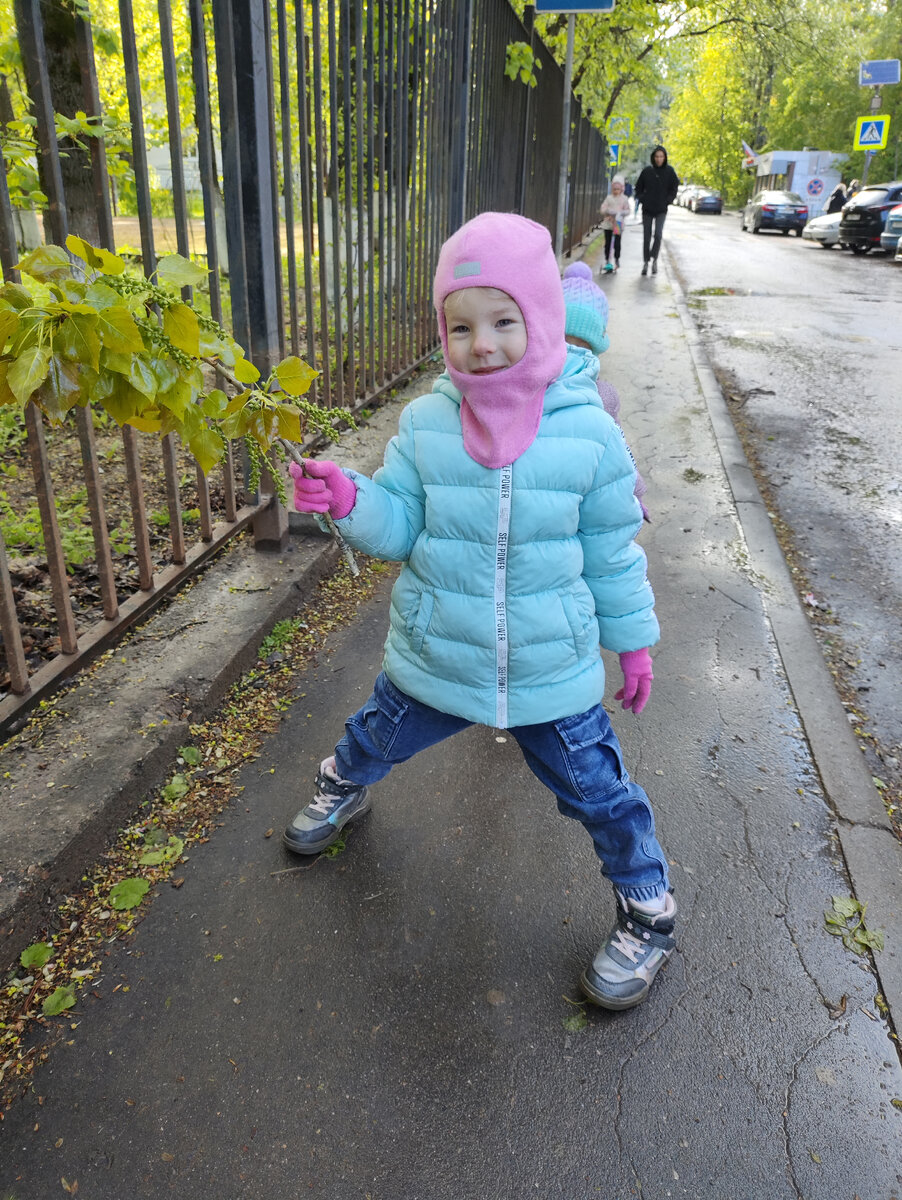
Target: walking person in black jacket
[656, 190]
[837, 198]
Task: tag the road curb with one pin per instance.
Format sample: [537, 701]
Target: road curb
[868, 844]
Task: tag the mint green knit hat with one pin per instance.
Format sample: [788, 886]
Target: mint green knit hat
[586, 307]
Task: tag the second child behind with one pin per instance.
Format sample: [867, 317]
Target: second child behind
[586, 319]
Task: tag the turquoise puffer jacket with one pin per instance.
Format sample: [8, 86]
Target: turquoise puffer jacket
[511, 577]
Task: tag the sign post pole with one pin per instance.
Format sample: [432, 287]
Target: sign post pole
[565, 139]
[874, 74]
[868, 155]
[572, 7]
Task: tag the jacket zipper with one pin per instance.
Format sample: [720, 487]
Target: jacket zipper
[501, 641]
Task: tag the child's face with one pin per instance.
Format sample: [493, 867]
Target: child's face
[486, 330]
[617, 187]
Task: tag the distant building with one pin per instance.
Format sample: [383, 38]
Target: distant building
[812, 173]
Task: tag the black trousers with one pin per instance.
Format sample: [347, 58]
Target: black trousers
[650, 249]
[609, 236]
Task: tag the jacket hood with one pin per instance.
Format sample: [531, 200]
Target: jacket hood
[654, 152]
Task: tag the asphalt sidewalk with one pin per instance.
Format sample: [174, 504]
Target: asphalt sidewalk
[403, 1021]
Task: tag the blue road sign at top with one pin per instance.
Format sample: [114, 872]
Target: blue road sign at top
[574, 6]
[878, 71]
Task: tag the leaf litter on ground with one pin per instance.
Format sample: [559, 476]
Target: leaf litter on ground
[114, 892]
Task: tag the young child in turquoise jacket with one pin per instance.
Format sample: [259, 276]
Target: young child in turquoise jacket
[507, 494]
[585, 324]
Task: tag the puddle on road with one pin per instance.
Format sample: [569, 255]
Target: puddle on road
[731, 291]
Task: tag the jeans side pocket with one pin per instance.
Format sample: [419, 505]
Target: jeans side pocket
[385, 717]
[592, 753]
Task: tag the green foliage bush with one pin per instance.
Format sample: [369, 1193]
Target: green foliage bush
[86, 329]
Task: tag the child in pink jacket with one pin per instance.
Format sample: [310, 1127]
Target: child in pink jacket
[615, 208]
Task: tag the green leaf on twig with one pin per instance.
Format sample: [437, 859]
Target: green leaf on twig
[295, 376]
[180, 272]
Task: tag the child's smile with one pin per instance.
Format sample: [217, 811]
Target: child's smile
[486, 330]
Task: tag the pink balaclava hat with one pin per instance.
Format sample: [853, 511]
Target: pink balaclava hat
[500, 413]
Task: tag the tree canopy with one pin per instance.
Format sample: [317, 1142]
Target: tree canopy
[705, 76]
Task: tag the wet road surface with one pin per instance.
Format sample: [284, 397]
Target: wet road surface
[808, 344]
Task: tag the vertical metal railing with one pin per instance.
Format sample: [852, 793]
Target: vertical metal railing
[335, 144]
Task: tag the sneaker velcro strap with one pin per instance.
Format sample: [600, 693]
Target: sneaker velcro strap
[658, 938]
[335, 787]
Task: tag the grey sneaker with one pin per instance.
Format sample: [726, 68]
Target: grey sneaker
[644, 270]
[635, 950]
[336, 802]
[654, 266]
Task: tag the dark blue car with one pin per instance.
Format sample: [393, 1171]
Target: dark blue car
[775, 210]
[706, 201]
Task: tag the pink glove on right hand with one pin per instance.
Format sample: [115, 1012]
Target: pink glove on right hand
[320, 486]
[637, 677]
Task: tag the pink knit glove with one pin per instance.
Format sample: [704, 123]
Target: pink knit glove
[637, 677]
[329, 490]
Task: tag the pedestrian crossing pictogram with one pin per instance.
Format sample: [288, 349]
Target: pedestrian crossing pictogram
[871, 133]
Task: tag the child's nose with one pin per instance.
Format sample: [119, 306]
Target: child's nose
[484, 342]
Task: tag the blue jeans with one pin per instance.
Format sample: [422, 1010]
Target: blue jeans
[578, 758]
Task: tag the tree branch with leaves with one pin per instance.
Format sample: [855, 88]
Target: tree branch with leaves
[81, 328]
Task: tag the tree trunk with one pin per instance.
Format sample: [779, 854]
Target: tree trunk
[6, 107]
[67, 96]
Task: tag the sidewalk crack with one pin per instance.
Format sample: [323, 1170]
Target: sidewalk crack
[650, 1033]
[790, 1165]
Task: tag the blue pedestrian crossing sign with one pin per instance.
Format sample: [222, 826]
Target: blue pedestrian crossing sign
[871, 133]
[614, 152]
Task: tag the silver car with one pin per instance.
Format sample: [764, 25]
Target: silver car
[823, 229]
[891, 238]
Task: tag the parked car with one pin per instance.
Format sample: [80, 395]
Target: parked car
[864, 217]
[775, 210]
[823, 229]
[891, 238]
[685, 197]
[706, 201]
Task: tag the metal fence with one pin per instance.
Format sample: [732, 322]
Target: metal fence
[339, 143]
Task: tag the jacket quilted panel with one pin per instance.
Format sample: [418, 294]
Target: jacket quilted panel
[487, 604]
